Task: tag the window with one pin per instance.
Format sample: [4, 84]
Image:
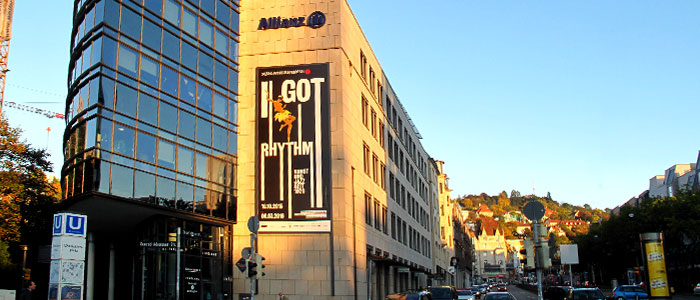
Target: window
[403, 230]
[373, 124]
[381, 133]
[380, 93]
[363, 65]
[365, 114]
[368, 209]
[377, 215]
[382, 176]
[393, 225]
[384, 224]
[371, 80]
[375, 168]
[399, 231]
[366, 158]
[392, 190]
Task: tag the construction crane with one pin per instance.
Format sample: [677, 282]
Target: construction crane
[47, 113]
[7, 7]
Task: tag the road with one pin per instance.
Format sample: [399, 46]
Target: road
[521, 294]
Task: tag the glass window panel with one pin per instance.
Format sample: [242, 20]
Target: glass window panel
[219, 138]
[126, 100]
[202, 206]
[233, 81]
[208, 6]
[233, 50]
[233, 112]
[186, 125]
[171, 45]
[220, 105]
[189, 56]
[131, 23]
[168, 80]
[221, 42]
[185, 160]
[204, 98]
[91, 133]
[145, 186]
[146, 147]
[206, 65]
[185, 194]
[105, 138]
[221, 74]
[149, 71]
[232, 143]
[112, 18]
[151, 33]
[97, 52]
[206, 31]
[124, 186]
[204, 131]
[99, 12]
[155, 5]
[189, 22]
[234, 21]
[103, 185]
[124, 140]
[166, 154]
[148, 108]
[128, 61]
[165, 191]
[200, 195]
[172, 12]
[222, 12]
[187, 89]
[168, 117]
[201, 165]
[109, 52]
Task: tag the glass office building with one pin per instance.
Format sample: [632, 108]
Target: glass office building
[150, 145]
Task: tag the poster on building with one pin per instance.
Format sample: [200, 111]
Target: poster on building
[658, 281]
[293, 148]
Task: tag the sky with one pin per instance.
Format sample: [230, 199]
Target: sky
[585, 100]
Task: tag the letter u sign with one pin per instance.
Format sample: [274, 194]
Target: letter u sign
[75, 224]
[57, 223]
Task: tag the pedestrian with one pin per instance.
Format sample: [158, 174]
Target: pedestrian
[29, 286]
[282, 296]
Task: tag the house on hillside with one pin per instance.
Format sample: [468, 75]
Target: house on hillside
[483, 210]
[490, 250]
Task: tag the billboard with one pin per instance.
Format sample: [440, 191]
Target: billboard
[293, 148]
[656, 263]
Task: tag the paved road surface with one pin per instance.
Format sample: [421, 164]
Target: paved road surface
[521, 294]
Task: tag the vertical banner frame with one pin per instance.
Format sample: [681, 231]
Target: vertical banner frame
[293, 161]
[655, 261]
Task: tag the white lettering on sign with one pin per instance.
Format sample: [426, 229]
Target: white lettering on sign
[300, 90]
[275, 148]
[300, 181]
[272, 216]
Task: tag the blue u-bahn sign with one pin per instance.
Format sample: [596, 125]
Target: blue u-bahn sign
[69, 224]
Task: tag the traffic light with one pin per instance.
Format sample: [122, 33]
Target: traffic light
[252, 267]
[259, 266]
[530, 254]
[543, 258]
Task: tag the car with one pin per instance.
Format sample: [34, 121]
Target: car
[696, 290]
[476, 291]
[484, 288]
[443, 292]
[586, 294]
[499, 296]
[465, 295]
[629, 292]
[501, 287]
[556, 292]
[410, 295]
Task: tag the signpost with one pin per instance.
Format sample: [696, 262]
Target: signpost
[253, 226]
[534, 211]
[569, 256]
[67, 256]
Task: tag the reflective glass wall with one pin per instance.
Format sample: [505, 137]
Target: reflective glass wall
[152, 104]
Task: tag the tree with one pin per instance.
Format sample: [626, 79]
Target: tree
[27, 198]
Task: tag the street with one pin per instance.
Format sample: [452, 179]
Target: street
[521, 294]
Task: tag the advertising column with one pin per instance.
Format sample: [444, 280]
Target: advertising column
[653, 248]
[67, 257]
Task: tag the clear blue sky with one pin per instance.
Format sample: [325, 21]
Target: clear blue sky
[585, 99]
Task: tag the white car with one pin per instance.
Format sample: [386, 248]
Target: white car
[696, 290]
[465, 295]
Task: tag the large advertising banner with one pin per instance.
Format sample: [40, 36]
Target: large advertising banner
[656, 262]
[293, 140]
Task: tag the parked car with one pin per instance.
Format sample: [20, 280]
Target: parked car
[556, 292]
[465, 295]
[586, 294]
[411, 295]
[476, 291]
[630, 292]
[499, 296]
[443, 292]
[696, 290]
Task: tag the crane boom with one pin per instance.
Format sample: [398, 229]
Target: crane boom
[47, 113]
[7, 8]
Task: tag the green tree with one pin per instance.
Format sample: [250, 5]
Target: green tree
[27, 198]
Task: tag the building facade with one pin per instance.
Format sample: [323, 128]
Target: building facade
[151, 145]
[332, 164]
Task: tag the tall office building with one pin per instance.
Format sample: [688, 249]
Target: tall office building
[330, 161]
[151, 145]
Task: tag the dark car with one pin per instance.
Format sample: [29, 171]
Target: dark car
[422, 295]
[556, 292]
[498, 296]
[465, 295]
[501, 287]
[630, 292]
[443, 292]
[586, 294]
[476, 291]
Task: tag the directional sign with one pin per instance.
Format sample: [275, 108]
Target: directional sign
[246, 252]
[534, 210]
[240, 264]
[253, 224]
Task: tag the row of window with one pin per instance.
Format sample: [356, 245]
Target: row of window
[375, 86]
[373, 167]
[375, 213]
[405, 234]
[404, 199]
[372, 123]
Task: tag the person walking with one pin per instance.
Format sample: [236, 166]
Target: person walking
[282, 297]
[29, 287]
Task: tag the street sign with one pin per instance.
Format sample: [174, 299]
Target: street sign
[534, 210]
[569, 254]
[246, 252]
[240, 264]
[253, 224]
